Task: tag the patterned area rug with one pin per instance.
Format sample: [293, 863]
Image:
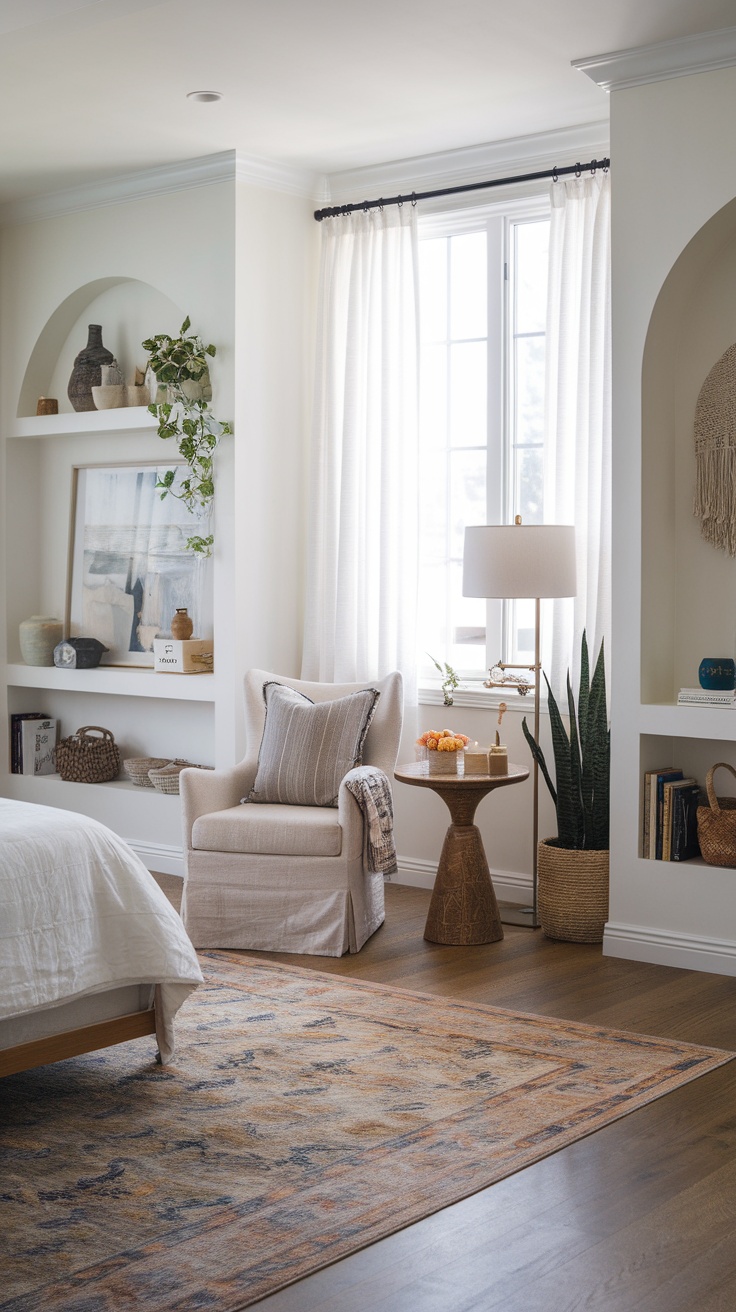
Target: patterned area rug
[304, 1117]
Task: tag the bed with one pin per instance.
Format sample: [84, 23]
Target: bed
[91, 950]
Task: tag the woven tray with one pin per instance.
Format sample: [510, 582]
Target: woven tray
[137, 767]
[166, 779]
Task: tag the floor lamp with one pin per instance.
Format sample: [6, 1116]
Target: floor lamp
[512, 561]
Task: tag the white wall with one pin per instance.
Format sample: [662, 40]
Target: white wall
[674, 169]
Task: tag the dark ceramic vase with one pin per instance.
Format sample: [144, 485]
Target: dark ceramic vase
[87, 371]
[717, 673]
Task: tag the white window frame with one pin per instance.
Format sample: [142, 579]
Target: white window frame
[496, 219]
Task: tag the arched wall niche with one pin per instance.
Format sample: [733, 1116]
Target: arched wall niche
[688, 596]
[129, 311]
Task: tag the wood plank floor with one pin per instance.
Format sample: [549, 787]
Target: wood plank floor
[640, 1215]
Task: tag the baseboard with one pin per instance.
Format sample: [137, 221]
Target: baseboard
[157, 856]
[509, 886]
[662, 947]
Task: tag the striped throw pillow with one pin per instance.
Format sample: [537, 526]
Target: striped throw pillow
[308, 747]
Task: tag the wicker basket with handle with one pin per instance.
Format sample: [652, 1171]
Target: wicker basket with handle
[717, 824]
[85, 758]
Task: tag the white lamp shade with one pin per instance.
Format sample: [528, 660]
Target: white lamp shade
[519, 560]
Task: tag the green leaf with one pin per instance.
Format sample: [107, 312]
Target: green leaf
[538, 755]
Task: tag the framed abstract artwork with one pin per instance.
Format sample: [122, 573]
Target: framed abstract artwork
[129, 566]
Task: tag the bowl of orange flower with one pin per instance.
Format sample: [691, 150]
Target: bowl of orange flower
[443, 748]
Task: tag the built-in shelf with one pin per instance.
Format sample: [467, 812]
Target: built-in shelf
[25, 787]
[689, 721]
[121, 681]
[120, 420]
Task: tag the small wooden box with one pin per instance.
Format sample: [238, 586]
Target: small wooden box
[183, 656]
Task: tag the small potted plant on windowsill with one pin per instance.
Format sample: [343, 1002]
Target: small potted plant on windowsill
[180, 366]
[573, 868]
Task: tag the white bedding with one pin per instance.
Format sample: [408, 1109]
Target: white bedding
[80, 914]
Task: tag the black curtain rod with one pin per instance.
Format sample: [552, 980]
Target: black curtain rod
[577, 169]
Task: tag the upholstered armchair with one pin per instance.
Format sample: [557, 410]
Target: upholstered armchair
[281, 877]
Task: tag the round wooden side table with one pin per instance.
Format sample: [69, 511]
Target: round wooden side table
[463, 909]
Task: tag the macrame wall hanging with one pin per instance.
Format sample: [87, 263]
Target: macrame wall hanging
[715, 454]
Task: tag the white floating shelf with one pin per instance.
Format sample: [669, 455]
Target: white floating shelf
[116, 680]
[689, 721]
[125, 419]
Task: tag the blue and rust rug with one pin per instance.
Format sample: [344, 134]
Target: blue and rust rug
[305, 1116]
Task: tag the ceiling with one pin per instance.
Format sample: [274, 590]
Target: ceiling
[94, 88]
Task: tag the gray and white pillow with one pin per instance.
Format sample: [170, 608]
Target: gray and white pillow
[308, 747]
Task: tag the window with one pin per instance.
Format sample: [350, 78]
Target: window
[483, 285]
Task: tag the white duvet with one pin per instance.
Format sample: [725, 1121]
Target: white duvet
[79, 914]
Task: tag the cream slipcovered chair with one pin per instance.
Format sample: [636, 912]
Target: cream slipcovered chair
[277, 877]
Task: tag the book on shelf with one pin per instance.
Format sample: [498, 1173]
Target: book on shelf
[654, 781]
[16, 742]
[670, 791]
[38, 745]
[685, 800]
[706, 697]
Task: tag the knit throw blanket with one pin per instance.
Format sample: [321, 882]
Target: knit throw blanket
[372, 791]
[715, 454]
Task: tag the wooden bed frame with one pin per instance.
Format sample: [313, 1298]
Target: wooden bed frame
[72, 1043]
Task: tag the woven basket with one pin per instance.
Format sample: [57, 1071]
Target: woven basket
[86, 759]
[137, 767]
[166, 779]
[717, 824]
[572, 892]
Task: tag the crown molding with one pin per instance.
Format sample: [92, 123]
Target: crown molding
[495, 159]
[679, 57]
[279, 177]
[207, 170]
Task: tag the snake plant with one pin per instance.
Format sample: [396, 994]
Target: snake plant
[582, 759]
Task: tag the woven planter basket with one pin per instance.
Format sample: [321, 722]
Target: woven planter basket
[717, 824]
[443, 762]
[137, 767]
[572, 893]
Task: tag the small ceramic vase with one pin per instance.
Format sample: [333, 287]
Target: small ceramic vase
[182, 624]
[717, 673]
[38, 637]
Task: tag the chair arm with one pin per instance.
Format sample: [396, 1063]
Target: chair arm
[204, 791]
[350, 814]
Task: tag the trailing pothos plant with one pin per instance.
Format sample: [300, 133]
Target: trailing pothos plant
[179, 364]
[582, 759]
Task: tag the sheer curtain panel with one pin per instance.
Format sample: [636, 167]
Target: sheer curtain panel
[578, 411]
[360, 613]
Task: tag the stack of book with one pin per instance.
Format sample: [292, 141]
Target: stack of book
[706, 697]
[670, 815]
[32, 743]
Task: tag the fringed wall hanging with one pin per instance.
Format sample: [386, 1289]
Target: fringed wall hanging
[715, 454]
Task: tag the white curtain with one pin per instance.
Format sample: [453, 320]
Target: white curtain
[578, 414]
[360, 614]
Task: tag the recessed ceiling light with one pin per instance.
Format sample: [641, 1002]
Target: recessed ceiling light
[204, 96]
